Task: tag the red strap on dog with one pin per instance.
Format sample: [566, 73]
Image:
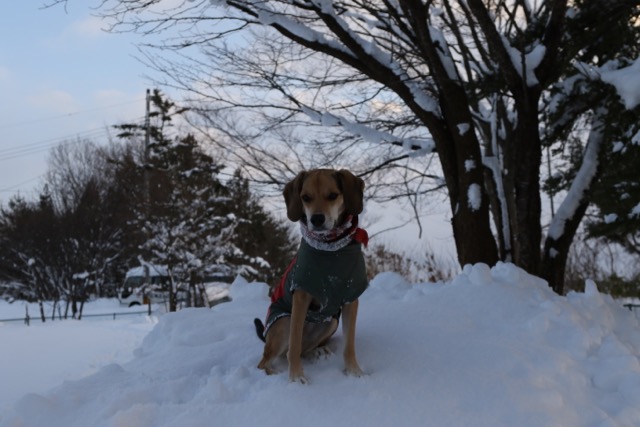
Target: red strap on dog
[278, 292]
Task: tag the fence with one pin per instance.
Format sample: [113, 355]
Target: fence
[632, 307]
[27, 319]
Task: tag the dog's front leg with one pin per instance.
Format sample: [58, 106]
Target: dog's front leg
[300, 305]
[349, 315]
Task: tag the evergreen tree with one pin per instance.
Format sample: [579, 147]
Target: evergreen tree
[194, 224]
[187, 227]
[187, 219]
[259, 236]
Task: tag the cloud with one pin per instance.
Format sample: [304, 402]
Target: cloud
[78, 33]
[110, 96]
[91, 26]
[56, 101]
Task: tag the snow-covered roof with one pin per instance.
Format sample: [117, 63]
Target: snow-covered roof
[154, 271]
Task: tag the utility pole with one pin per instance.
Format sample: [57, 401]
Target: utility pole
[147, 134]
[147, 180]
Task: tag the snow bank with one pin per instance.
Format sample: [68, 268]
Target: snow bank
[493, 347]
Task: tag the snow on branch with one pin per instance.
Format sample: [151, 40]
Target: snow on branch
[444, 53]
[526, 63]
[626, 80]
[300, 31]
[348, 45]
[417, 145]
[581, 183]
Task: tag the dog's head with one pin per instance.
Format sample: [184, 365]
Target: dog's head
[322, 198]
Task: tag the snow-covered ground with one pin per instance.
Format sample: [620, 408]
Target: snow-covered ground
[43, 355]
[494, 347]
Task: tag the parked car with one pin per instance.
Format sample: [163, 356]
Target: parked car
[135, 292]
[217, 288]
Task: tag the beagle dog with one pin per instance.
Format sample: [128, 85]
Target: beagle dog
[325, 280]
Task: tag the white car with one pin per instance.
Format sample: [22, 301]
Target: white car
[135, 292]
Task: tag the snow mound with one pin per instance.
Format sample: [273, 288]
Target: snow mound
[493, 347]
[242, 290]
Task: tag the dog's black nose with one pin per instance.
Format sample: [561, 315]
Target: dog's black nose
[317, 220]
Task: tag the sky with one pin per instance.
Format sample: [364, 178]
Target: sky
[61, 78]
[64, 79]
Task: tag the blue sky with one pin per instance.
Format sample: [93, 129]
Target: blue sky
[61, 77]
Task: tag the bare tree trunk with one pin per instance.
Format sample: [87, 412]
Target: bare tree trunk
[525, 172]
[81, 308]
[173, 293]
[42, 316]
[556, 252]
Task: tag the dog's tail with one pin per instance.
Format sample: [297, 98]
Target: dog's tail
[259, 328]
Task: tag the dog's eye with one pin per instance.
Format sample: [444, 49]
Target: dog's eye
[306, 198]
[332, 196]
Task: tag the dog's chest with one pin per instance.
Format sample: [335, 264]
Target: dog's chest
[333, 278]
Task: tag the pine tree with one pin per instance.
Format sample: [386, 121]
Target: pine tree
[260, 236]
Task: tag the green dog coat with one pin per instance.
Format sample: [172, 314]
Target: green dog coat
[333, 278]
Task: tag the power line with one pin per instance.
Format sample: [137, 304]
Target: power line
[22, 150]
[12, 188]
[75, 113]
[15, 152]
[28, 149]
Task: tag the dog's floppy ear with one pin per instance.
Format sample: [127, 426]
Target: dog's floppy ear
[352, 191]
[291, 195]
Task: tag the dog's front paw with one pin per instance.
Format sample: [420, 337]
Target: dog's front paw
[353, 371]
[298, 378]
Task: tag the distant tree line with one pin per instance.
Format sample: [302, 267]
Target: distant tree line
[106, 209]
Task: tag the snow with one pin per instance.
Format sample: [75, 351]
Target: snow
[626, 80]
[474, 196]
[526, 65]
[610, 218]
[370, 134]
[582, 181]
[617, 147]
[442, 48]
[44, 355]
[494, 163]
[469, 165]
[154, 271]
[493, 347]
[463, 128]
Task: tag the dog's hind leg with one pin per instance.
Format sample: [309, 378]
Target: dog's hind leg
[316, 338]
[277, 342]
